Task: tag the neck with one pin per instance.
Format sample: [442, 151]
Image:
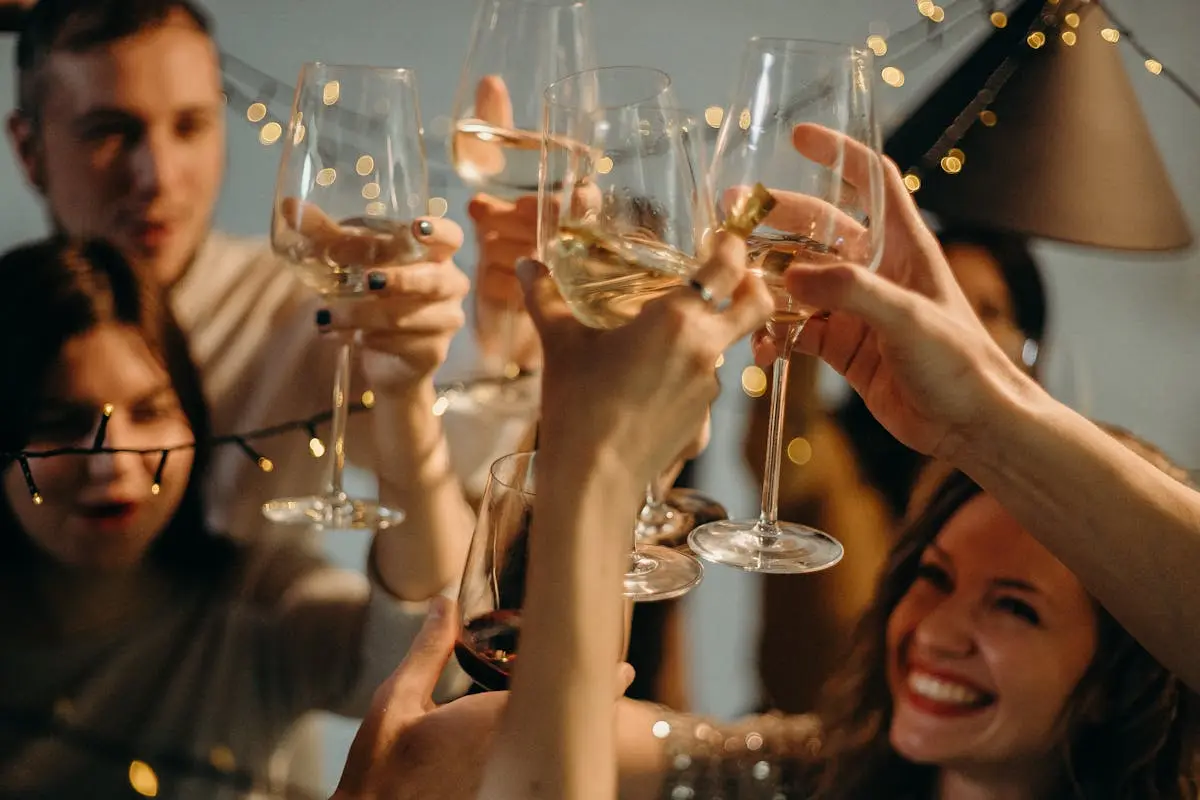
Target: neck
[993, 784]
[58, 604]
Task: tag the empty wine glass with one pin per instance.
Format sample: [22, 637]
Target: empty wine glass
[352, 180]
[621, 217]
[518, 47]
[822, 213]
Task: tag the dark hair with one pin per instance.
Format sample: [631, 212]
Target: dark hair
[79, 25]
[1125, 726]
[55, 290]
[889, 466]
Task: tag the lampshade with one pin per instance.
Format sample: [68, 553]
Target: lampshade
[1062, 150]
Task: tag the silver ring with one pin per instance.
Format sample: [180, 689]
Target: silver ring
[705, 293]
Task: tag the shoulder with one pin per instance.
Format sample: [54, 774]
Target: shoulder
[278, 568]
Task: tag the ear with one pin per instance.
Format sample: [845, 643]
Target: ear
[22, 134]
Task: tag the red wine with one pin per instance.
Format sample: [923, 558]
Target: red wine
[487, 648]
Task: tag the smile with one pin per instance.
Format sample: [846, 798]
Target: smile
[942, 695]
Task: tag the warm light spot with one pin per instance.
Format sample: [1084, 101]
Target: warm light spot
[437, 206]
[754, 381]
[222, 758]
[370, 191]
[799, 451]
[266, 464]
[37, 499]
[1072, 19]
[661, 729]
[754, 741]
[256, 112]
[999, 19]
[720, 361]
[368, 399]
[744, 120]
[1069, 38]
[938, 14]
[155, 489]
[326, 176]
[988, 118]
[298, 136]
[441, 406]
[951, 165]
[1036, 39]
[316, 447]
[892, 76]
[142, 779]
[1154, 66]
[926, 7]
[954, 152]
[108, 409]
[713, 116]
[877, 45]
[270, 133]
[604, 165]
[375, 208]
[912, 182]
[1111, 35]
[364, 165]
[331, 93]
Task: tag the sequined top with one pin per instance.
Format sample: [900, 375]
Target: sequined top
[756, 758]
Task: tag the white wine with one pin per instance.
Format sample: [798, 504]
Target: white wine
[607, 279]
[501, 161]
[336, 259]
[770, 254]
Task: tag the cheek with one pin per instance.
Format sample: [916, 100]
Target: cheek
[55, 484]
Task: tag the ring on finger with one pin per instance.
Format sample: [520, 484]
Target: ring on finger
[705, 293]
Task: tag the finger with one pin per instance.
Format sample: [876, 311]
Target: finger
[544, 302]
[442, 237]
[504, 254]
[497, 286]
[625, 676]
[493, 103]
[764, 347]
[749, 309]
[723, 270]
[438, 318]
[843, 287]
[425, 281]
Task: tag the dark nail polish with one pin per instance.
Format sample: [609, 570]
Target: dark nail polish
[425, 228]
[376, 281]
[324, 317]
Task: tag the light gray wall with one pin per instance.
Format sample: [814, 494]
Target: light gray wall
[1126, 331]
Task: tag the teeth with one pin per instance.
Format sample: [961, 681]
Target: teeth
[942, 691]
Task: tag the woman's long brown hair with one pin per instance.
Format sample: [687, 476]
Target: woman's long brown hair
[1126, 731]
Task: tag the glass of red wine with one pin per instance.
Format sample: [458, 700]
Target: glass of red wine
[493, 585]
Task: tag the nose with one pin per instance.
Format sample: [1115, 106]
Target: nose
[154, 163]
[107, 467]
[947, 629]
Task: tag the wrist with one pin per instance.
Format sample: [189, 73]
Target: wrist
[1014, 405]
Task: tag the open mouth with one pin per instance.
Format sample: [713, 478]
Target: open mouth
[943, 695]
[109, 514]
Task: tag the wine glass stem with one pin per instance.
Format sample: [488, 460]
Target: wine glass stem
[508, 336]
[340, 406]
[768, 517]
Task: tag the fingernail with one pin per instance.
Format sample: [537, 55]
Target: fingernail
[424, 228]
[376, 281]
[324, 317]
[526, 269]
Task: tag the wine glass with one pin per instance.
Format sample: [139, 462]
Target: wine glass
[622, 214]
[493, 585]
[824, 212]
[352, 179]
[518, 47]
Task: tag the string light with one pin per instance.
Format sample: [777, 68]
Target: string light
[754, 381]
[270, 133]
[331, 92]
[101, 429]
[951, 165]
[156, 487]
[799, 451]
[1072, 19]
[1069, 38]
[364, 165]
[264, 463]
[256, 112]
[877, 45]
[315, 445]
[29, 484]
[437, 206]
[938, 14]
[368, 399]
[370, 191]
[999, 19]
[988, 118]
[1110, 35]
[1036, 39]
[892, 76]
[142, 779]
[713, 116]
[1154, 66]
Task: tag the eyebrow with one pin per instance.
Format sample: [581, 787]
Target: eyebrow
[1002, 583]
[112, 113]
[59, 403]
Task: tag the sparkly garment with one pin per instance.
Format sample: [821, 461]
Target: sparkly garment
[756, 758]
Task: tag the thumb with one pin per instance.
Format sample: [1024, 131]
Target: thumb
[419, 672]
[545, 304]
[854, 290]
[625, 675]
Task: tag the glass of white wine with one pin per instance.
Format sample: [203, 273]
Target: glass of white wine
[824, 209]
[518, 47]
[622, 214]
[352, 181]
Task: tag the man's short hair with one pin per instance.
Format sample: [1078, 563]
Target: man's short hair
[75, 26]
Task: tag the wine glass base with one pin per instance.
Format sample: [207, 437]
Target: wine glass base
[784, 549]
[687, 509]
[331, 513]
[660, 573]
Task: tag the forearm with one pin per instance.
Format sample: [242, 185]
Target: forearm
[424, 554]
[1129, 531]
[557, 736]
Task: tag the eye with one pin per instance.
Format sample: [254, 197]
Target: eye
[935, 576]
[154, 410]
[1020, 609]
[62, 426]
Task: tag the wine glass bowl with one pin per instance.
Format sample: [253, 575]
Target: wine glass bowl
[352, 180]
